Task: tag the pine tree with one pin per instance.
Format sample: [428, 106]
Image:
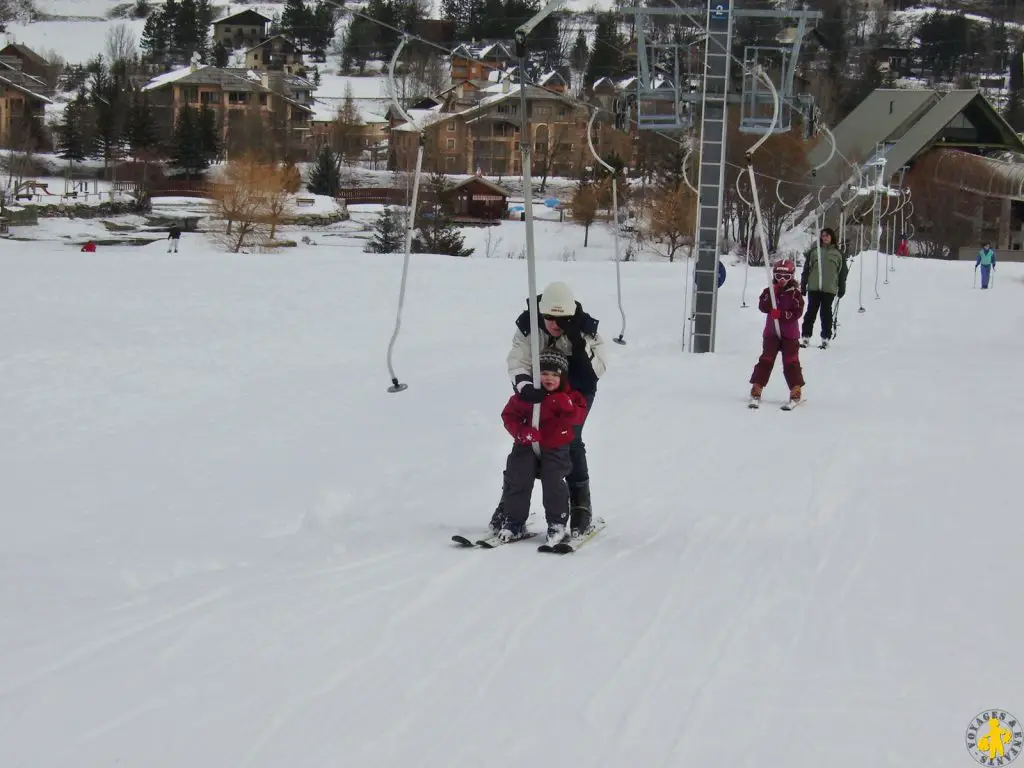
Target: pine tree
[156, 35]
[140, 128]
[72, 138]
[296, 22]
[580, 52]
[325, 177]
[187, 153]
[220, 55]
[435, 231]
[209, 132]
[388, 232]
[75, 133]
[321, 33]
[606, 56]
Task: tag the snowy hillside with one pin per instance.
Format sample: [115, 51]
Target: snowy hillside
[223, 543]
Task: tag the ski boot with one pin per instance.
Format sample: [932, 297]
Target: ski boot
[824, 344]
[579, 508]
[497, 520]
[805, 342]
[511, 531]
[556, 534]
[795, 393]
[755, 395]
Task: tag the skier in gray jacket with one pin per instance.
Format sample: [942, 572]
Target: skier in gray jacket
[566, 327]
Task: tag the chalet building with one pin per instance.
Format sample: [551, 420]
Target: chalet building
[242, 100]
[23, 58]
[955, 142]
[22, 108]
[243, 30]
[476, 62]
[477, 198]
[483, 136]
[275, 54]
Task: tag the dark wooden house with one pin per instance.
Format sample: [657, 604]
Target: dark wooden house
[478, 198]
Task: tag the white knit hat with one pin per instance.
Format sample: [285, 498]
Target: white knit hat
[558, 301]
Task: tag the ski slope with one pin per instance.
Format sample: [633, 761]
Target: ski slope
[223, 543]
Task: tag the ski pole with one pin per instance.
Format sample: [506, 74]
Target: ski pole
[974, 282]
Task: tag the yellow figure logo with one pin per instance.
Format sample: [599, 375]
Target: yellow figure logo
[995, 740]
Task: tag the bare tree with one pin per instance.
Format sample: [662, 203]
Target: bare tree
[584, 206]
[672, 219]
[121, 44]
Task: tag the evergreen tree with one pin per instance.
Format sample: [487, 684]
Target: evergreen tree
[140, 128]
[388, 232]
[435, 231]
[220, 55]
[321, 33]
[209, 133]
[74, 133]
[187, 153]
[156, 36]
[325, 177]
[580, 52]
[296, 22]
[606, 56]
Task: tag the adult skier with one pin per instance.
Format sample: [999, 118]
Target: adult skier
[823, 278]
[565, 327]
[987, 261]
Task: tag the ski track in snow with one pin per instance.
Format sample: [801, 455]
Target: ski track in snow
[223, 543]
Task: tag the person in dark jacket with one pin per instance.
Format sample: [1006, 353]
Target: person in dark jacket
[173, 236]
[823, 278]
[566, 327]
[562, 411]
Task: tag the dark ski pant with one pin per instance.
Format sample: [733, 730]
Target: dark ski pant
[791, 369]
[521, 469]
[818, 302]
[580, 474]
[986, 271]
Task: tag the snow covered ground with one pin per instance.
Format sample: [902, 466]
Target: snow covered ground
[222, 542]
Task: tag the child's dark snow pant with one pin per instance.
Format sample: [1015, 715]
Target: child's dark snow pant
[521, 471]
[819, 302]
[986, 271]
[791, 369]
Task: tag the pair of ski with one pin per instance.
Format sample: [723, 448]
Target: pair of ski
[755, 402]
[564, 547]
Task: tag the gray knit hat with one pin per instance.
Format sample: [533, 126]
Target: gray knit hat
[553, 361]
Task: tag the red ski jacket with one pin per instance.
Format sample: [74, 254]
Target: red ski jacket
[560, 411]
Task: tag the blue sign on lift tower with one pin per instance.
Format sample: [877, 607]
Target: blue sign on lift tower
[720, 11]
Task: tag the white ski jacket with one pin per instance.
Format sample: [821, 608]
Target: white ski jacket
[520, 365]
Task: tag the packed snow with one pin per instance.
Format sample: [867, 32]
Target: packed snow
[223, 542]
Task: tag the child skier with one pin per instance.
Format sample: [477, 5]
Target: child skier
[781, 333]
[560, 410]
[987, 261]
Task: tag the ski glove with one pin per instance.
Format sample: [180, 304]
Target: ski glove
[528, 435]
[775, 314]
[532, 394]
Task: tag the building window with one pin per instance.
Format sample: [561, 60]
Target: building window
[451, 127]
[451, 143]
[543, 111]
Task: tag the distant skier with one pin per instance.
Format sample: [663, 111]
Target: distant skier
[89, 247]
[562, 411]
[784, 338]
[822, 279]
[903, 249]
[173, 236]
[565, 327]
[987, 261]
